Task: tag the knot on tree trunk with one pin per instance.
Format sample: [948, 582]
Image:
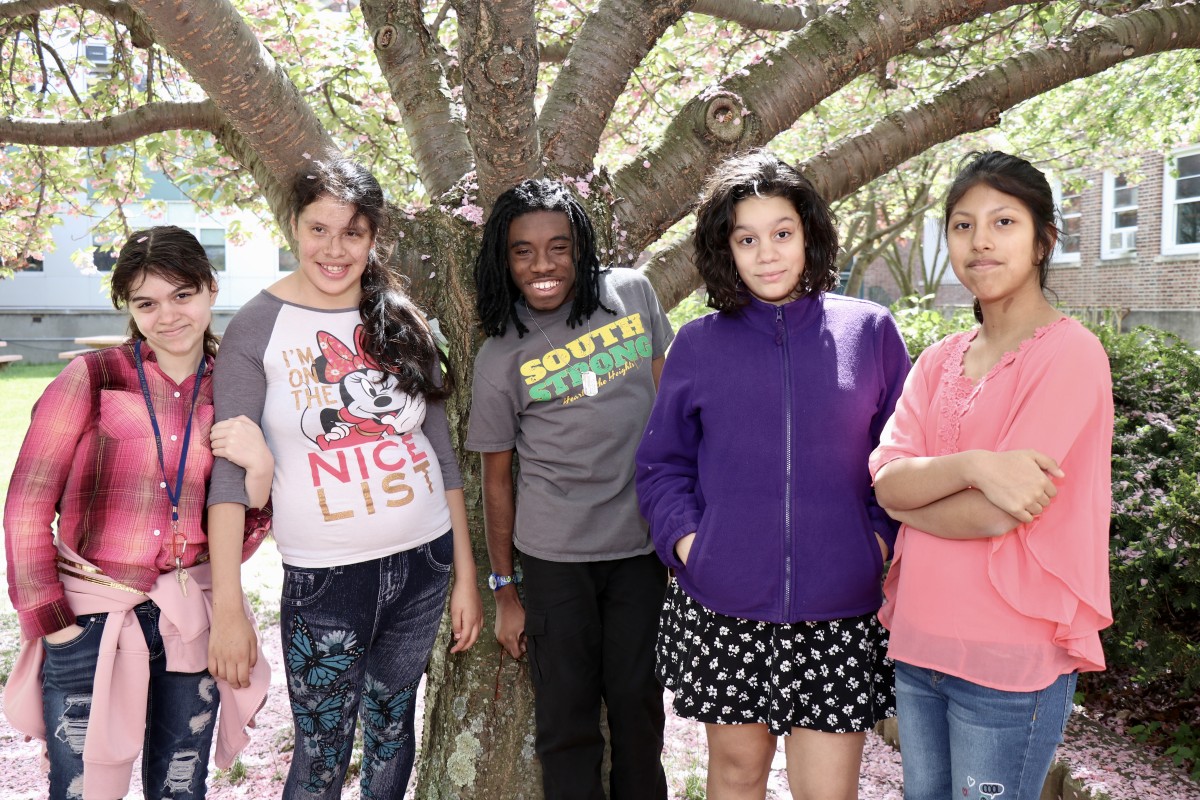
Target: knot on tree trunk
[505, 67]
[385, 37]
[723, 113]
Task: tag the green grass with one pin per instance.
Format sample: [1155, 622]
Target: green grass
[20, 386]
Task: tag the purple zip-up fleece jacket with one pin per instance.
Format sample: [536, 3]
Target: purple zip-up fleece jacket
[758, 443]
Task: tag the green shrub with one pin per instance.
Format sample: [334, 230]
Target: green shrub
[921, 326]
[1155, 544]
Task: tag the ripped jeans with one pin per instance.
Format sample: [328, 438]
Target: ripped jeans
[181, 713]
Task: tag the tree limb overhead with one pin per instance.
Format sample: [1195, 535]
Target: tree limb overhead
[755, 15]
[411, 60]
[750, 109]
[212, 42]
[609, 47]
[117, 129]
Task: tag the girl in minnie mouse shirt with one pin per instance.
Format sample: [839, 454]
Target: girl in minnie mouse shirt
[345, 376]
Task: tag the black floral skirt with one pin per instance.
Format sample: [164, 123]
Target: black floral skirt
[828, 675]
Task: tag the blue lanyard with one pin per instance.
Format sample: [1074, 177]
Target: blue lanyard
[173, 494]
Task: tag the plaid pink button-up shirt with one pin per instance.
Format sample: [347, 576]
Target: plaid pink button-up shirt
[90, 460]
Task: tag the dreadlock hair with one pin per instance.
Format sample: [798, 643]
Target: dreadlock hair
[1017, 178]
[167, 252]
[495, 292]
[395, 333]
[760, 173]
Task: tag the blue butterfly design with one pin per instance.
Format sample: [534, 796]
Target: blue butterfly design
[385, 713]
[315, 786]
[324, 716]
[316, 667]
[332, 756]
[384, 751]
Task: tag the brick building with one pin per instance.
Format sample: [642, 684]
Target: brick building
[1132, 247]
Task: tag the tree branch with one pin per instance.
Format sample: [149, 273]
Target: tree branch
[978, 101]
[613, 41]
[971, 105]
[411, 59]
[139, 32]
[254, 94]
[117, 129]
[766, 98]
[756, 15]
[498, 56]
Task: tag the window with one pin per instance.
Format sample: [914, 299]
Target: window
[287, 260]
[213, 242]
[1070, 209]
[1181, 203]
[1118, 228]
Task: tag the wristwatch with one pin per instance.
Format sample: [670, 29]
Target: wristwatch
[497, 581]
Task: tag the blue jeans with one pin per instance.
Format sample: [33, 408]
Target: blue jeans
[181, 713]
[962, 740]
[356, 639]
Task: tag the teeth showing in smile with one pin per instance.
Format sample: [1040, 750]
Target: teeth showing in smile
[545, 286]
[335, 269]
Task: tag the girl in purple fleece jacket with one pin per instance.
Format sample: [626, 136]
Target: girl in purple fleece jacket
[753, 476]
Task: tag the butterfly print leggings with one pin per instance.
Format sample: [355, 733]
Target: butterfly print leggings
[356, 640]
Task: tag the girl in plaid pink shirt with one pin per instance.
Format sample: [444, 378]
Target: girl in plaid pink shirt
[105, 516]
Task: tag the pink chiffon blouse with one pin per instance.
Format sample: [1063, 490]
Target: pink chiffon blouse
[1011, 612]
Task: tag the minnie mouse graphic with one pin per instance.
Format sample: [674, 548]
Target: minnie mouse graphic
[372, 405]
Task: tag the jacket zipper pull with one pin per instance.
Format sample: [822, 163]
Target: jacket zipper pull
[778, 326]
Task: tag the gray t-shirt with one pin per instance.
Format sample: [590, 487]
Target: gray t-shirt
[575, 493]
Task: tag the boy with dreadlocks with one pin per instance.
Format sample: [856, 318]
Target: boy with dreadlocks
[571, 399]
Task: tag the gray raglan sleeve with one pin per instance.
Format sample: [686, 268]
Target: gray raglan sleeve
[437, 430]
[240, 386]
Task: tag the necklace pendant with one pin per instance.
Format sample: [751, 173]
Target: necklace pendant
[182, 576]
[591, 386]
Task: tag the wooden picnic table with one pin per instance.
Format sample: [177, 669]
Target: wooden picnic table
[102, 341]
[5, 360]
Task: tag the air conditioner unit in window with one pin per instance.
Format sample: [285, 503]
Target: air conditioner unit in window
[99, 56]
[1122, 241]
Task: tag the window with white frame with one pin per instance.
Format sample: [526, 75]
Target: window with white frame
[1118, 227]
[1181, 202]
[1068, 199]
[209, 231]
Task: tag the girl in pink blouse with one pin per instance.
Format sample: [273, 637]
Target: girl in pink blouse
[997, 462]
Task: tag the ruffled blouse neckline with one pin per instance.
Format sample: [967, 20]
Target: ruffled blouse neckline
[959, 391]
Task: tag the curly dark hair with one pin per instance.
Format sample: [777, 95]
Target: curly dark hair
[495, 292]
[167, 252]
[1017, 178]
[759, 173]
[394, 333]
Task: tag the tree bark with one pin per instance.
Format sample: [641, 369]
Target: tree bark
[498, 53]
[411, 60]
[978, 102]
